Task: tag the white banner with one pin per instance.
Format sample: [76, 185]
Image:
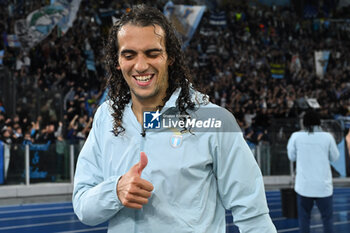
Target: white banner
[39, 23]
[321, 62]
[67, 21]
[185, 18]
[312, 102]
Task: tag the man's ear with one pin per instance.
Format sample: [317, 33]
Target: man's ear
[118, 67]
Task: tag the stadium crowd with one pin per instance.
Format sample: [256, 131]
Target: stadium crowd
[231, 62]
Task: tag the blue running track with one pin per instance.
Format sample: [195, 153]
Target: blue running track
[59, 217]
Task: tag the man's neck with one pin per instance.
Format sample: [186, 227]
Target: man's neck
[138, 107]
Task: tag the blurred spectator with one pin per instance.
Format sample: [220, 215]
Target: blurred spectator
[2, 108]
[313, 150]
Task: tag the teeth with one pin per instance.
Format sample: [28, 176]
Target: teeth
[145, 78]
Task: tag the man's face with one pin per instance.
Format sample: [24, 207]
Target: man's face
[144, 62]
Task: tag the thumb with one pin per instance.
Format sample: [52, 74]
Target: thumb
[143, 162]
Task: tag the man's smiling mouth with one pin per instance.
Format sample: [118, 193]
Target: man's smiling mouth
[143, 78]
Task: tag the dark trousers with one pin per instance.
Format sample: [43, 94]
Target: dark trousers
[325, 206]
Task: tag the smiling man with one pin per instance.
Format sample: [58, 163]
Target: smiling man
[144, 63]
[176, 179]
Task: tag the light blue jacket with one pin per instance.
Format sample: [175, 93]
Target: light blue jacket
[193, 182]
[313, 153]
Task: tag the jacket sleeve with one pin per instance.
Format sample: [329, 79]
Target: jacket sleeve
[94, 197]
[240, 182]
[291, 148]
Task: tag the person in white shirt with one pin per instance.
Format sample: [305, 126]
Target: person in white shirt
[313, 150]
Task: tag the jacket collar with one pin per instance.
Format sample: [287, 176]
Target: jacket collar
[197, 97]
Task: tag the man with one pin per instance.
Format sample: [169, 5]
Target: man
[313, 150]
[172, 179]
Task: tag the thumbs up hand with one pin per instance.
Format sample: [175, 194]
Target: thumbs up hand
[132, 190]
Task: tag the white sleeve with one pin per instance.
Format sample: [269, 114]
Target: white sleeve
[94, 198]
[291, 148]
[240, 183]
[333, 150]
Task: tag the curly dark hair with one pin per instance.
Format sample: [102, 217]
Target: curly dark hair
[179, 75]
[311, 118]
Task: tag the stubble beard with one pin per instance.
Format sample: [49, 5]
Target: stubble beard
[142, 97]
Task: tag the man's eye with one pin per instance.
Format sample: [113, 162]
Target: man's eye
[128, 56]
[154, 54]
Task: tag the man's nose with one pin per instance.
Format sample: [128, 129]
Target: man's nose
[141, 64]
